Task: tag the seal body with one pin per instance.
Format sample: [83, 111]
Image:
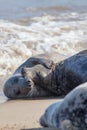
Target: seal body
[69, 113]
[43, 77]
[68, 74]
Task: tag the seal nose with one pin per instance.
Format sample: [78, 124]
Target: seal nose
[29, 83]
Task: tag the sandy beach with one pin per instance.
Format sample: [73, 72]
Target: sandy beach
[22, 114]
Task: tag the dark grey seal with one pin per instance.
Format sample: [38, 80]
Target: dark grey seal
[20, 85]
[47, 78]
[69, 113]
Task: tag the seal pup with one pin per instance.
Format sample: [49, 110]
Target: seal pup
[69, 113]
[59, 79]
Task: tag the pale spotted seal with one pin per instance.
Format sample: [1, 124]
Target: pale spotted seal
[69, 113]
[56, 79]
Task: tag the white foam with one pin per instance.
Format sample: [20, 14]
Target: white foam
[45, 34]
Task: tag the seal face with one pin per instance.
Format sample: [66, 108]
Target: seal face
[71, 113]
[16, 87]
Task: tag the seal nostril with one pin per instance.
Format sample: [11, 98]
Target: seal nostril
[28, 81]
[29, 85]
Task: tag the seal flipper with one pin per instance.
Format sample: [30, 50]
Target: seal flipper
[44, 62]
[33, 61]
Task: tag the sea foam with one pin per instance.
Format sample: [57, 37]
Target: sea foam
[44, 34]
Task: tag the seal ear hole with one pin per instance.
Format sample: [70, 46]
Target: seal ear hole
[29, 82]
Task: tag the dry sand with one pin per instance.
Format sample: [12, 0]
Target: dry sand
[22, 114]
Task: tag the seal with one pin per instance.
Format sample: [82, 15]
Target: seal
[57, 79]
[19, 85]
[69, 113]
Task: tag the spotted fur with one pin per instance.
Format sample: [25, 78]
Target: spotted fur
[70, 113]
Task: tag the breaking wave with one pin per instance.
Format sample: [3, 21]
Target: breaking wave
[43, 34]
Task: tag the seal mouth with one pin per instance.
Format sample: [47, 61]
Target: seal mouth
[17, 92]
[28, 80]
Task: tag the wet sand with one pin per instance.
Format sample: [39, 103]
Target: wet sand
[22, 114]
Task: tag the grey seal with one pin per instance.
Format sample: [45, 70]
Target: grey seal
[45, 78]
[69, 113]
[21, 86]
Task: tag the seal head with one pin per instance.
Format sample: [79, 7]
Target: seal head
[17, 87]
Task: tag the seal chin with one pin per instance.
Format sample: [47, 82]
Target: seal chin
[17, 87]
